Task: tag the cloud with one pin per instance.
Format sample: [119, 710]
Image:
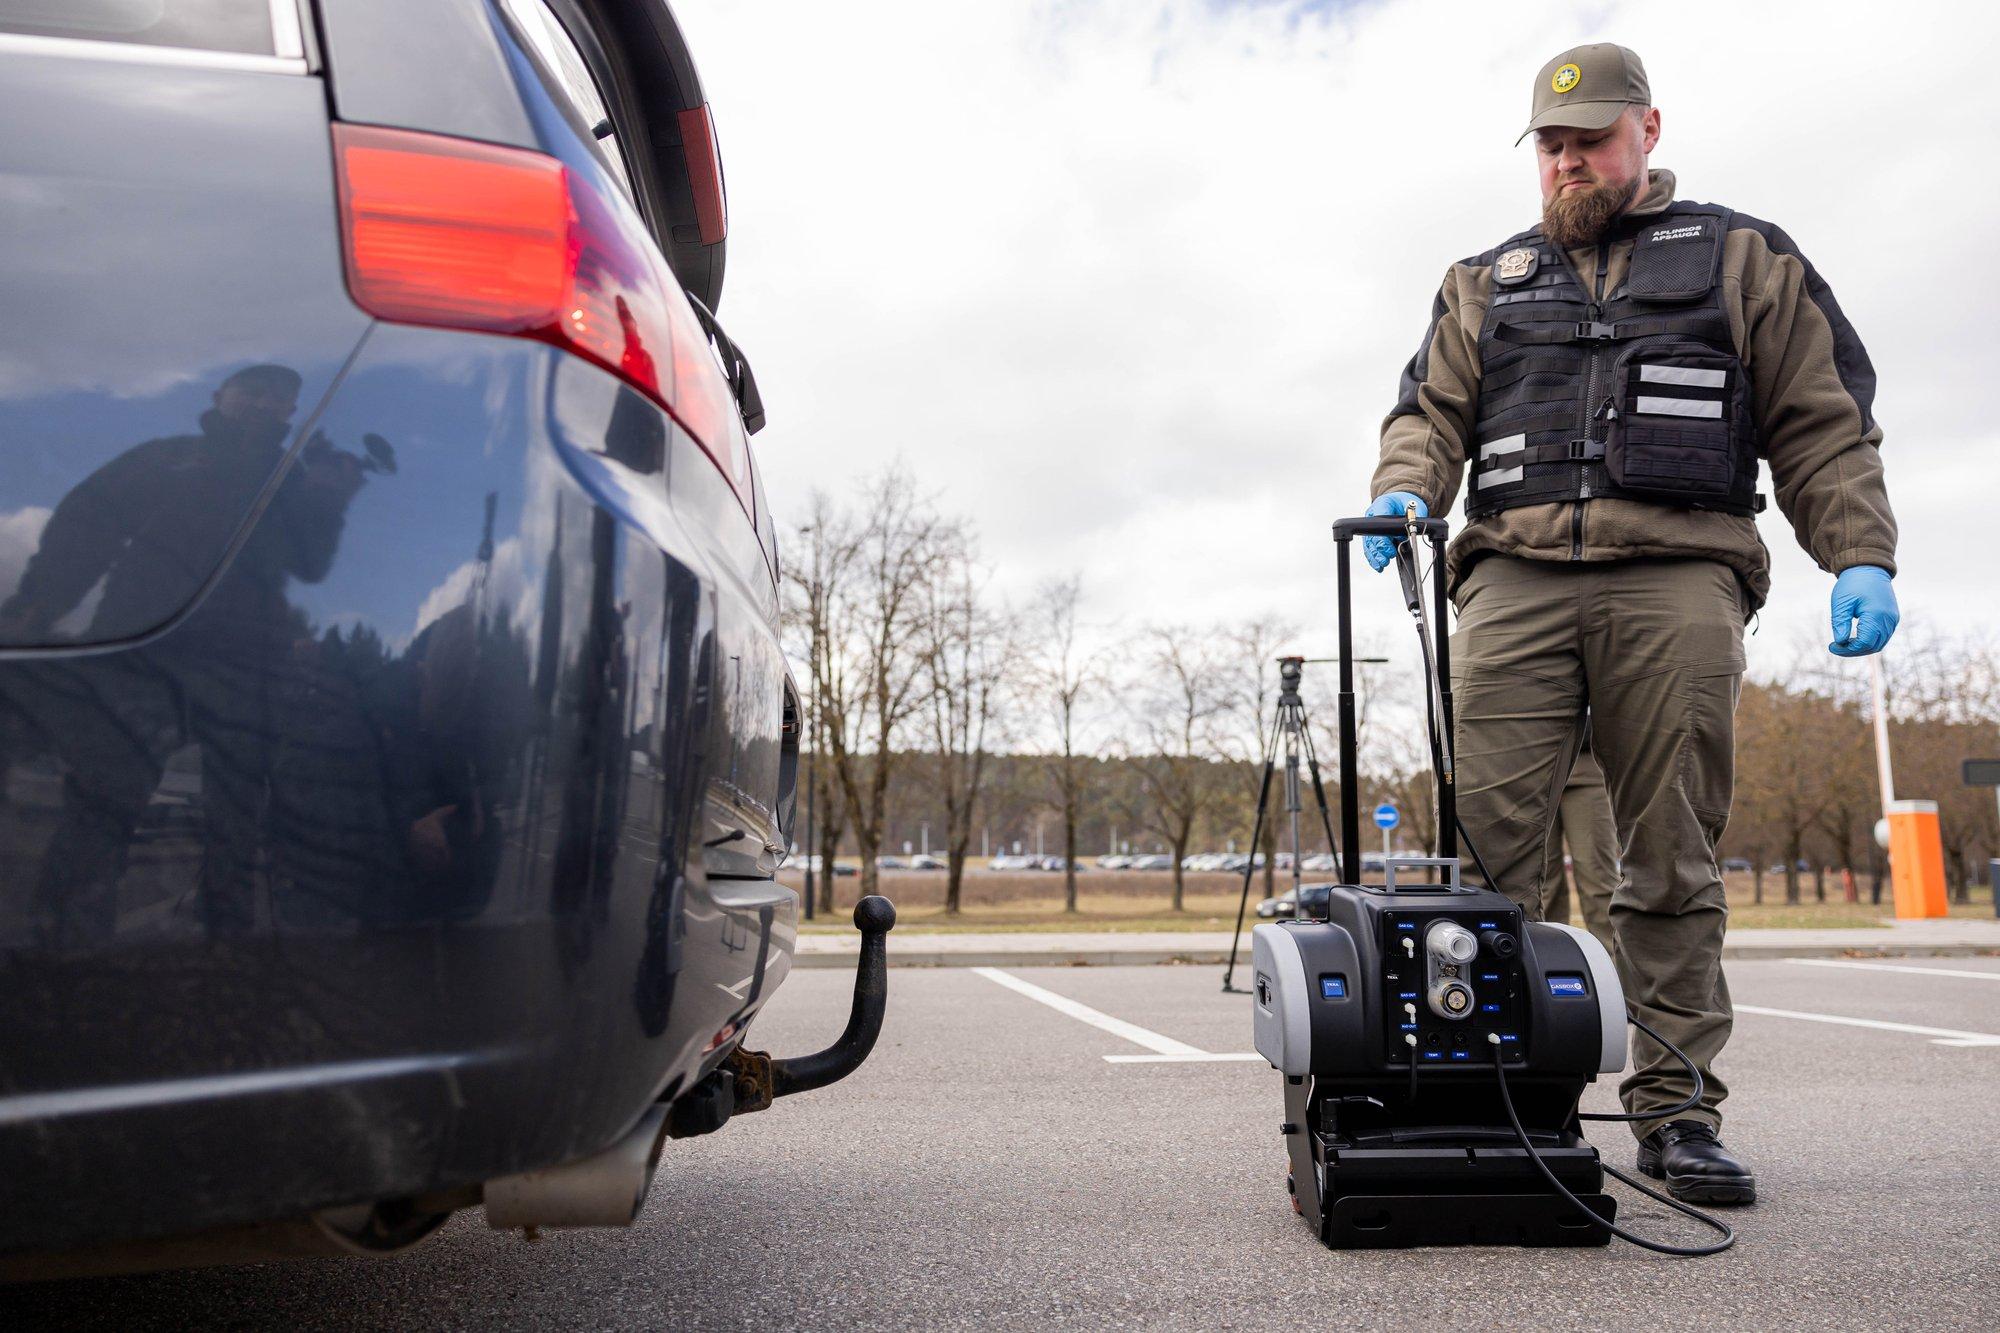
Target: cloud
[20, 538]
[1132, 283]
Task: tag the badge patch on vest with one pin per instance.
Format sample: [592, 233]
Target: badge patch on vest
[1516, 266]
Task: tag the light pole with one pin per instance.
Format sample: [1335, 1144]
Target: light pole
[814, 620]
[812, 784]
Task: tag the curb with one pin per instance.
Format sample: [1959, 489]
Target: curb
[1205, 957]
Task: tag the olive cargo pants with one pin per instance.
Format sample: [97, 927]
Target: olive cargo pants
[1583, 821]
[1653, 651]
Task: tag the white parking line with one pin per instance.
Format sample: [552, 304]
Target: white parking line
[1894, 967]
[1165, 1050]
[1938, 1036]
[1083, 1013]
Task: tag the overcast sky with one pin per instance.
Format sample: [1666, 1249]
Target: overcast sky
[1131, 283]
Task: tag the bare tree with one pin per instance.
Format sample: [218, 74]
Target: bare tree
[811, 596]
[1847, 770]
[1942, 708]
[1796, 793]
[1251, 701]
[1183, 702]
[1062, 675]
[967, 655]
[898, 542]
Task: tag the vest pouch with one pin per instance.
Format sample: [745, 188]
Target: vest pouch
[1676, 259]
[1672, 438]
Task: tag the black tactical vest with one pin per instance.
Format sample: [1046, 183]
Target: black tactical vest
[1638, 396]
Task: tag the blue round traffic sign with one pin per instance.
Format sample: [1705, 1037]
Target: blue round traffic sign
[1386, 816]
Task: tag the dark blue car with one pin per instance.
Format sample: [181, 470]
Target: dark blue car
[395, 744]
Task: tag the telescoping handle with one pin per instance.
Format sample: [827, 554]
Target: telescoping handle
[1345, 530]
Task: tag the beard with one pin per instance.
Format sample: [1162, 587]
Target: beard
[1573, 218]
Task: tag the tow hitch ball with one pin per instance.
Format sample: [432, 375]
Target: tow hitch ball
[752, 1080]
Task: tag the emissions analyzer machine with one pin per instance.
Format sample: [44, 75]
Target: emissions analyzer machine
[1433, 1043]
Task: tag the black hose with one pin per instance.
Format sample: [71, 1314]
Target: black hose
[1694, 1098]
[1658, 1247]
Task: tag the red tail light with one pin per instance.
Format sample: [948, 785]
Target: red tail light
[465, 235]
[704, 166]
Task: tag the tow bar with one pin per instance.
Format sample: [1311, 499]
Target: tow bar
[752, 1080]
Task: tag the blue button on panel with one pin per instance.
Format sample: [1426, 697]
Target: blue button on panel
[1508, 1036]
[1489, 1008]
[1333, 988]
[1489, 976]
[1461, 1055]
[1433, 1055]
[1406, 995]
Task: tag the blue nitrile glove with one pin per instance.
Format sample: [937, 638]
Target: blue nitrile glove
[1381, 550]
[1863, 594]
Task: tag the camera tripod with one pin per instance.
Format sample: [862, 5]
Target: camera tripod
[1288, 727]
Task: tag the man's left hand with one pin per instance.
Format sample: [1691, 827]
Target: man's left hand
[1864, 612]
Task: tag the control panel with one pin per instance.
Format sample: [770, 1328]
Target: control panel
[1449, 978]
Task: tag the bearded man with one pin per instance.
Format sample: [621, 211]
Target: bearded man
[1612, 378]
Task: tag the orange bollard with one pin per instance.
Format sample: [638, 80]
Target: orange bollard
[1916, 860]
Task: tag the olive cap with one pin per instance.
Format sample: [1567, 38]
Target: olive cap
[1588, 87]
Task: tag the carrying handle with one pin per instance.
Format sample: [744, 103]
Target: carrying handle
[1345, 530]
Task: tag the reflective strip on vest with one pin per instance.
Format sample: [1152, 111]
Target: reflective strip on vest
[1692, 376]
[1497, 477]
[1494, 449]
[1678, 407]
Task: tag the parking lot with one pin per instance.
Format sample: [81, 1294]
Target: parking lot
[1086, 1146]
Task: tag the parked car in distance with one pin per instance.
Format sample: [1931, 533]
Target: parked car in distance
[1114, 862]
[1739, 864]
[925, 861]
[1314, 896]
[891, 863]
[1153, 861]
[841, 869]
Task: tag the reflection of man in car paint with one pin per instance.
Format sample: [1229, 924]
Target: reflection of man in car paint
[136, 525]
[118, 551]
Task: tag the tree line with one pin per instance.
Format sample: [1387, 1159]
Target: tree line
[940, 714]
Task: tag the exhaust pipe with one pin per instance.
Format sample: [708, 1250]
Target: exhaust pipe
[760, 1080]
[605, 1190]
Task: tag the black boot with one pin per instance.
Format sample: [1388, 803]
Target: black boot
[1697, 1168]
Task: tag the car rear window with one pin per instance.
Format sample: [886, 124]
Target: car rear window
[242, 26]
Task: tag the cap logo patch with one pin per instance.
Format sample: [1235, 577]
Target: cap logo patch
[1566, 78]
[1515, 266]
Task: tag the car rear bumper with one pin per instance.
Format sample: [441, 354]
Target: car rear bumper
[387, 881]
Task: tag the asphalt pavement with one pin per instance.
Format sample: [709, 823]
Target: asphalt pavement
[991, 1166]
